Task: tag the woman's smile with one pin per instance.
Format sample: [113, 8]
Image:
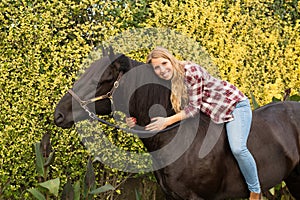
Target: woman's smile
[166, 74]
[162, 68]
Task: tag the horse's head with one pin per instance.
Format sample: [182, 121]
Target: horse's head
[97, 80]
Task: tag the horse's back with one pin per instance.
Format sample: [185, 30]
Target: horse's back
[275, 141]
[271, 110]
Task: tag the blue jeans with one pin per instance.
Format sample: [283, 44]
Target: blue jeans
[237, 132]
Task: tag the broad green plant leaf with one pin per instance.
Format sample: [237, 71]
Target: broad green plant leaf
[52, 186]
[294, 98]
[90, 175]
[39, 160]
[274, 99]
[138, 195]
[102, 189]
[255, 104]
[68, 191]
[77, 191]
[37, 194]
[89, 179]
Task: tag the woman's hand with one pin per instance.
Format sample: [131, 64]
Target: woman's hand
[157, 124]
[130, 121]
[160, 123]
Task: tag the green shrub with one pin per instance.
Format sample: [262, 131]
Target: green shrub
[255, 45]
[85, 188]
[42, 45]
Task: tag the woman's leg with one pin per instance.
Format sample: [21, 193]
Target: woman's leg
[238, 131]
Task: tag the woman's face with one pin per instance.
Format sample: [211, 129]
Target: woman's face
[162, 68]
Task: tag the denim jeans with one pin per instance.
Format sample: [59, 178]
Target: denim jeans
[237, 132]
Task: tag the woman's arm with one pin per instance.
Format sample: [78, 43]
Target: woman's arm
[160, 123]
[194, 86]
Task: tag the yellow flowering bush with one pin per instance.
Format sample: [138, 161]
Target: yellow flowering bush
[255, 44]
[42, 44]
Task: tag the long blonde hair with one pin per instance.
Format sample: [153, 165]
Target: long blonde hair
[178, 89]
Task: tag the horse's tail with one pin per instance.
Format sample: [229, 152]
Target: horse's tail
[293, 182]
[298, 169]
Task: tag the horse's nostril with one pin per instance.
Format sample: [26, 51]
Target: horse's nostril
[58, 117]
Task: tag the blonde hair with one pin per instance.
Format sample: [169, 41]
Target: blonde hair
[178, 89]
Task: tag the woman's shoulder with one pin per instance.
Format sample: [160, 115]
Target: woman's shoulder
[192, 68]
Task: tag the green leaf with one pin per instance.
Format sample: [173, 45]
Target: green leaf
[52, 186]
[90, 175]
[50, 159]
[138, 195]
[37, 194]
[68, 191]
[77, 191]
[255, 104]
[274, 99]
[102, 189]
[294, 98]
[39, 160]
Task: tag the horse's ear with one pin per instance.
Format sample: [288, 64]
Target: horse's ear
[123, 63]
[104, 51]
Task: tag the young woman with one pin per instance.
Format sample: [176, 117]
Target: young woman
[223, 102]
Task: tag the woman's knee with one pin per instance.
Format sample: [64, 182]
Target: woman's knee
[239, 151]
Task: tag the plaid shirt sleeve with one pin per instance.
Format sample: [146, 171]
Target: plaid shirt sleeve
[214, 97]
[194, 84]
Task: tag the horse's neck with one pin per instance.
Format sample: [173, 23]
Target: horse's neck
[189, 131]
[159, 140]
[132, 64]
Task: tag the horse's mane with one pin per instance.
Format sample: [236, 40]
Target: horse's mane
[125, 62]
[139, 90]
[145, 95]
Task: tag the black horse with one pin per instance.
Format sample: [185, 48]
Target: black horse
[274, 139]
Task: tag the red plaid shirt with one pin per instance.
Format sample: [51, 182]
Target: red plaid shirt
[212, 96]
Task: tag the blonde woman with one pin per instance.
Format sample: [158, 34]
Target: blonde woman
[195, 90]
